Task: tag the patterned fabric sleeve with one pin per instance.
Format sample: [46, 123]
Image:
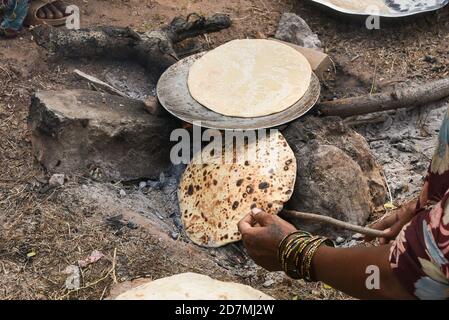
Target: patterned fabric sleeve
[437, 180]
[420, 254]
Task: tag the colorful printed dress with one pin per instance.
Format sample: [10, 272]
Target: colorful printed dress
[420, 254]
[14, 13]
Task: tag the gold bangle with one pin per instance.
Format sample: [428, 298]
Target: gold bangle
[307, 263]
[300, 255]
[311, 251]
[290, 251]
[302, 264]
[289, 268]
[286, 241]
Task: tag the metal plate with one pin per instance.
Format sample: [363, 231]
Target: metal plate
[384, 8]
[174, 95]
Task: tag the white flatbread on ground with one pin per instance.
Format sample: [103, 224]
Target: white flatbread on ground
[250, 78]
[192, 286]
[215, 196]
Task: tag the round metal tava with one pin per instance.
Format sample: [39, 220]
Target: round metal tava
[174, 95]
[384, 8]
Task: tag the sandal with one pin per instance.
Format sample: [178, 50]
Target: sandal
[32, 18]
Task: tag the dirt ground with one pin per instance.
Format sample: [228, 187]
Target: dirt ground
[43, 231]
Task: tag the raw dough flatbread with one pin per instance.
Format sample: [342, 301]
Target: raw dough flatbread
[250, 78]
[192, 286]
[214, 196]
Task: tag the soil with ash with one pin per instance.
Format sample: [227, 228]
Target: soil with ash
[45, 230]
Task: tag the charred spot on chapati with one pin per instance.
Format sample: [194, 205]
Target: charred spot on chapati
[239, 182]
[264, 185]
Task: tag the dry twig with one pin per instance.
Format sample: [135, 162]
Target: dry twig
[334, 222]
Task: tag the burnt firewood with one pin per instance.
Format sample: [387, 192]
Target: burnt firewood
[153, 49]
[404, 97]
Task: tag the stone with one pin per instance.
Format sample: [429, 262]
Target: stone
[73, 280]
[292, 28]
[142, 184]
[74, 132]
[339, 240]
[56, 180]
[337, 174]
[269, 283]
[122, 193]
[405, 147]
[174, 235]
[358, 236]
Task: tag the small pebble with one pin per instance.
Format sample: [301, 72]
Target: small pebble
[174, 235]
[132, 225]
[358, 236]
[339, 240]
[430, 59]
[142, 184]
[122, 193]
[405, 147]
[177, 222]
[56, 180]
[268, 283]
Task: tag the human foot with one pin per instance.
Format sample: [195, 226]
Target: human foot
[54, 10]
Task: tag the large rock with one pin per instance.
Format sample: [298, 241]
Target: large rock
[292, 28]
[337, 174]
[83, 132]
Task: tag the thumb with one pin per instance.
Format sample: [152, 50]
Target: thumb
[261, 217]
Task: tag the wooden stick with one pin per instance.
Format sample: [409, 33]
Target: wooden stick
[335, 223]
[103, 85]
[405, 97]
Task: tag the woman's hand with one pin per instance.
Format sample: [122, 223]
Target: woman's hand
[393, 222]
[262, 233]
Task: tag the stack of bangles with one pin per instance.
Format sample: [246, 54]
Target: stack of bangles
[296, 252]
